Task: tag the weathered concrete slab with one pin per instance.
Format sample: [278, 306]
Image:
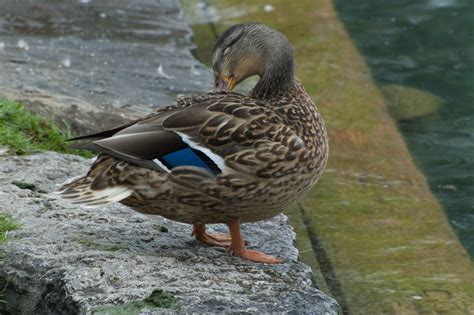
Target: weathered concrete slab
[67, 259]
[94, 64]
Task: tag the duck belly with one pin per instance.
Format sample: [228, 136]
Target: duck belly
[218, 201]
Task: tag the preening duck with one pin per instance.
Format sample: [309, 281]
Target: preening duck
[219, 157]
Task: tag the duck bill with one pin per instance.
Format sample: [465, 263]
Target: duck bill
[225, 84]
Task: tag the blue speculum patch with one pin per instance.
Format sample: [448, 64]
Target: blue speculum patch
[189, 157]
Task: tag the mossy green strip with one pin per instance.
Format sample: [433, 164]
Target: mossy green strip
[24, 133]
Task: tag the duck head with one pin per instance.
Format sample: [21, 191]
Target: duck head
[244, 50]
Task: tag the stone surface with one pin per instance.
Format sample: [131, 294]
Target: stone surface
[95, 64]
[68, 259]
[92, 65]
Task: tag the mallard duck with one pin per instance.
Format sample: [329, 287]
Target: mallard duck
[220, 157]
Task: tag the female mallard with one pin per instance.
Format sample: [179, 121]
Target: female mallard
[219, 157]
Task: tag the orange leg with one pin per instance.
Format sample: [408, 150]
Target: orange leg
[217, 239]
[237, 246]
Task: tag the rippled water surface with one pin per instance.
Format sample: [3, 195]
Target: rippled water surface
[429, 45]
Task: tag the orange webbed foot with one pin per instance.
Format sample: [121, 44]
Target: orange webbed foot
[257, 256]
[237, 247]
[216, 239]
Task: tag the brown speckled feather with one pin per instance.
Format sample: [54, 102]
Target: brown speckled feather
[273, 149]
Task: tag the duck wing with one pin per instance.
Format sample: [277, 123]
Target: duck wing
[237, 136]
[208, 131]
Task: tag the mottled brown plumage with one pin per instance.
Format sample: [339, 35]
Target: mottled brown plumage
[261, 151]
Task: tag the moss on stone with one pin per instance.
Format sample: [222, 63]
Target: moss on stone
[158, 299]
[161, 298]
[408, 103]
[25, 185]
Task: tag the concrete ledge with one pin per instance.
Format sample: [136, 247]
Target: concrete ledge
[91, 66]
[66, 259]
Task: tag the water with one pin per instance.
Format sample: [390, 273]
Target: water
[429, 45]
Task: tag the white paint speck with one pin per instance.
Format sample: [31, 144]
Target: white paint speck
[22, 44]
[2, 45]
[103, 15]
[195, 71]
[162, 73]
[66, 62]
[268, 8]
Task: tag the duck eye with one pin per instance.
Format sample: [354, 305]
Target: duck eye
[226, 51]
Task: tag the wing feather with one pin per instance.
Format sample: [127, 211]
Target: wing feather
[232, 129]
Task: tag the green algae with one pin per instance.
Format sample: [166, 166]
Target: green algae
[159, 298]
[385, 236]
[29, 186]
[25, 185]
[305, 246]
[408, 103]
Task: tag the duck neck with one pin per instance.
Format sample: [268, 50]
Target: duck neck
[277, 79]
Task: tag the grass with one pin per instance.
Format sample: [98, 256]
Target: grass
[25, 133]
[6, 224]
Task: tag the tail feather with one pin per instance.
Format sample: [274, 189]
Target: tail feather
[79, 191]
